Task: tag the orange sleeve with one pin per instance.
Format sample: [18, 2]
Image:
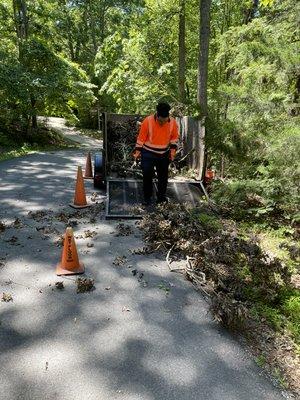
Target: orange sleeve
[143, 134]
[174, 136]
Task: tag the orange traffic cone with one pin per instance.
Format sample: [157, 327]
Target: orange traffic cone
[79, 198]
[69, 264]
[88, 173]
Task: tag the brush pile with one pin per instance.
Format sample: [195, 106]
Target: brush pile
[121, 139]
[233, 266]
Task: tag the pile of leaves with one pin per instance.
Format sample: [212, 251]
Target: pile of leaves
[232, 264]
[121, 140]
[85, 285]
[123, 230]
[242, 283]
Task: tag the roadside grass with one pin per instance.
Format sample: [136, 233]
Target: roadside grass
[15, 145]
[284, 315]
[92, 133]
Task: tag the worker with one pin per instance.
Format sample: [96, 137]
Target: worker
[156, 146]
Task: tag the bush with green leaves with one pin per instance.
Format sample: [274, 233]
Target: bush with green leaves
[275, 187]
[40, 83]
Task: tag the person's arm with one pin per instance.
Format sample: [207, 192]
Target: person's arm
[174, 140]
[141, 138]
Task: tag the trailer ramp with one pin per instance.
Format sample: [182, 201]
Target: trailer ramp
[125, 196]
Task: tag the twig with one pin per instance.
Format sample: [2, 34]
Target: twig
[187, 154]
[190, 268]
[168, 257]
[169, 262]
[195, 277]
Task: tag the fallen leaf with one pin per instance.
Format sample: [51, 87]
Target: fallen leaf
[119, 260]
[59, 285]
[6, 297]
[84, 285]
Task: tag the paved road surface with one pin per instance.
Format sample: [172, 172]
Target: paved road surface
[128, 339]
[71, 132]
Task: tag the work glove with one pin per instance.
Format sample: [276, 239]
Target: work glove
[136, 154]
[172, 154]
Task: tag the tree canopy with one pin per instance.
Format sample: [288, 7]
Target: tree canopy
[64, 58]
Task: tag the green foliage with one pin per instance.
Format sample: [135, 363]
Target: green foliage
[240, 198]
[43, 140]
[291, 307]
[286, 314]
[272, 315]
[138, 69]
[209, 222]
[274, 187]
[55, 81]
[261, 360]
[34, 78]
[44, 76]
[126, 56]
[255, 105]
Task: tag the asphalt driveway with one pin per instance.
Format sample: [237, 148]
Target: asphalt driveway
[143, 333]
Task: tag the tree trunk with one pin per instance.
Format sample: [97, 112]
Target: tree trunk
[203, 55]
[69, 34]
[92, 27]
[33, 113]
[296, 108]
[182, 52]
[204, 34]
[250, 12]
[21, 22]
[22, 31]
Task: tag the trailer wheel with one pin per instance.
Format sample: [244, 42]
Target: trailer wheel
[99, 179]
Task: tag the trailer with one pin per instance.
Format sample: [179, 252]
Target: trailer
[114, 167]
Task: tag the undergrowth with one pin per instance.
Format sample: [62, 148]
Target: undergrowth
[16, 144]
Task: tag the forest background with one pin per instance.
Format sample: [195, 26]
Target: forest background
[71, 58]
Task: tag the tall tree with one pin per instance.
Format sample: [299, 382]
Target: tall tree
[204, 34]
[181, 51]
[22, 31]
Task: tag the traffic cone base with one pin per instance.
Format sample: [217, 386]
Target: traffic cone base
[75, 206]
[61, 271]
[70, 264]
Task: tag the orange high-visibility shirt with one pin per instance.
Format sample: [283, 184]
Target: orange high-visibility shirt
[155, 137]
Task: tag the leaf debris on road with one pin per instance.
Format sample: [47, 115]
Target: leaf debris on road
[59, 285]
[120, 260]
[123, 230]
[6, 297]
[85, 285]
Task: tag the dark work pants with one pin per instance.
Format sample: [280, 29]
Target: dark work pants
[151, 161]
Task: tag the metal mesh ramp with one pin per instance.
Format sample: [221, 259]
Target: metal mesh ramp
[125, 196]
